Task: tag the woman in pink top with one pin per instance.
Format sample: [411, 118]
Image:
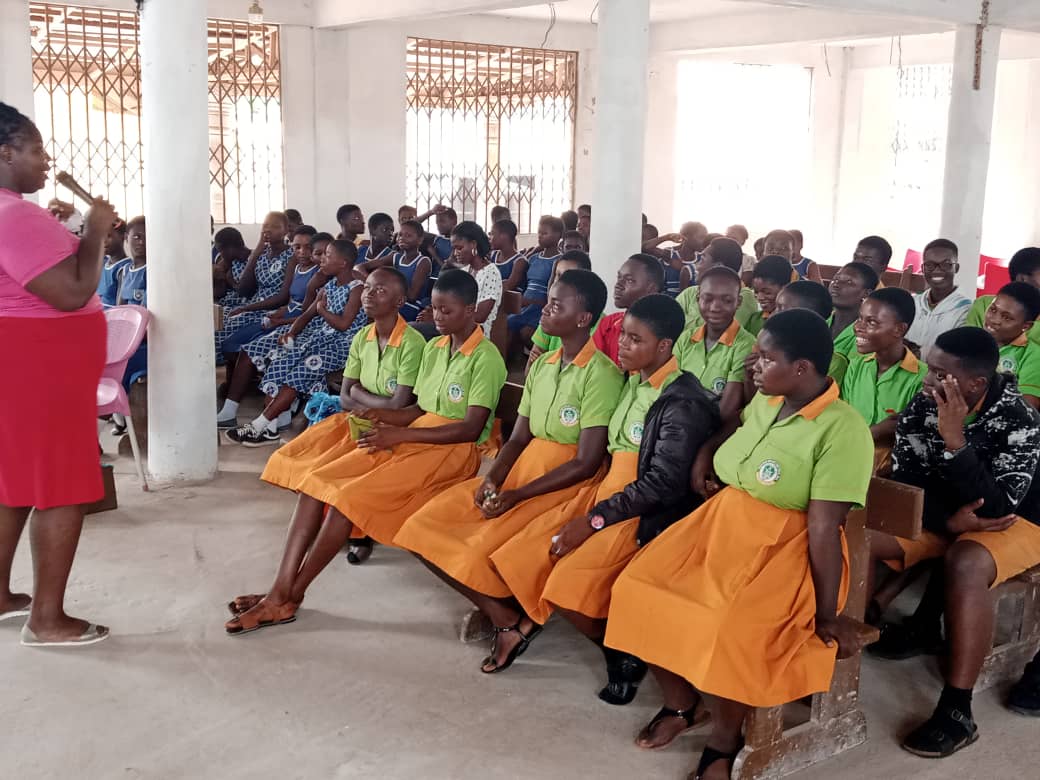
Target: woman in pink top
[52, 333]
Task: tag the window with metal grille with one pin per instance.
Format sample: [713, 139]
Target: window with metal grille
[491, 126]
[87, 97]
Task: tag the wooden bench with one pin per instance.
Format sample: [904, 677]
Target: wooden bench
[781, 740]
[888, 278]
[1017, 635]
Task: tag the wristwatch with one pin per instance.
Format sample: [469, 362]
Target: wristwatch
[951, 454]
[597, 522]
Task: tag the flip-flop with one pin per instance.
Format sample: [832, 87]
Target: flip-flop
[14, 613]
[91, 636]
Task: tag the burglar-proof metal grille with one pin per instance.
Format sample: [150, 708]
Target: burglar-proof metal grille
[491, 125]
[87, 90]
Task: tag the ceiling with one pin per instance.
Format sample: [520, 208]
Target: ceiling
[660, 10]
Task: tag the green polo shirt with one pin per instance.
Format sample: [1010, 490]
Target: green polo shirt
[560, 401]
[625, 432]
[845, 342]
[398, 364]
[879, 397]
[722, 364]
[450, 383]
[1022, 358]
[755, 323]
[688, 300]
[823, 452]
[548, 343]
[839, 365]
[977, 318]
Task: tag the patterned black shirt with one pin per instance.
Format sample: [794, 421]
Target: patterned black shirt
[999, 464]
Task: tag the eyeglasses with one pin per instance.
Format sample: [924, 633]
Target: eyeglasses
[945, 265]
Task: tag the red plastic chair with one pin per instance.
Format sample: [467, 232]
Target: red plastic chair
[127, 326]
[995, 276]
[913, 260]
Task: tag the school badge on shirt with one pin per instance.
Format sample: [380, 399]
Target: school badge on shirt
[635, 433]
[569, 416]
[768, 472]
[718, 385]
[1007, 365]
[391, 385]
[455, 392]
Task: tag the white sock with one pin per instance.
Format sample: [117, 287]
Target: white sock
[284, 419]
[229, 410]
[261, 423]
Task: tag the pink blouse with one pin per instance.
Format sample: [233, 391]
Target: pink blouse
[31, 242]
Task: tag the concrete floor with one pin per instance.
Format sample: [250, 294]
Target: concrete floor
[370, 682]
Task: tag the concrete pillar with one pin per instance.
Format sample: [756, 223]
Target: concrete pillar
[967, 148]
[623, 38]
[16, 79]
[298, 123]
[182, 434]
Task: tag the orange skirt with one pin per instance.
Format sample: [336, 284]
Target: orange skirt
[377, 491]
[526, 567]
[317, 446]
[725, 599]
[451, 533]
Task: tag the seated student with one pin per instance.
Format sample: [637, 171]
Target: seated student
[351, 223]
[849, 288]
[573, 241]
[542, 342]
[740, 234]
[661, 420]
[649, 231]
[539, 271]
[228, 265]
[294, 217]
[471, 252]
[875, 252]
[1024, 267]
[940, 307]
[715, 351]
[416, 450]
[1009, 319]
[556, 450]
[446, 220]
[570, 221]
[771, 274]
[499, 213]
[116, 260]
[380, 245]
[680, 261]
[415, 266]
[510, 261]
[973, 444]
[805, 268]
[585, 220]
[640, 276]
[726, 252]
[317, 343]
[303, 280]
[133, 290]
[884, 375]
[404, 214]
[741, 598]
[759, 248]
[782, 243]
[264, 282]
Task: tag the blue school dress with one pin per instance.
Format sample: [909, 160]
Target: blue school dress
[442, 248]
[231, 299]
[318, 351]
[297, 295]
[539, 272]
[133, 289]
[411, 309]
[802, 267]
[671, 278]
[505, 267]
[270, 274]
[362, 255]
[108, 285]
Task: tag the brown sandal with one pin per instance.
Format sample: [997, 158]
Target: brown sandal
[242, 604]
[693, 717]
[263, 615]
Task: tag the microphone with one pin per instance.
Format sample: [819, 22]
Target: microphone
[64, 178]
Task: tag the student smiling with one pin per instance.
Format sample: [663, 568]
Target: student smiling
[1009, 319]
[941, 307]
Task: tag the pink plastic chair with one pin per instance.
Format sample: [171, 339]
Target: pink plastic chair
[126, 330]
[913, 260]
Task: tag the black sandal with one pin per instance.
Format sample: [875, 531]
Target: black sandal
[709, 757]
[942, 735]
[666, 712]
[518, 650]
[359, 551]
[624, 673]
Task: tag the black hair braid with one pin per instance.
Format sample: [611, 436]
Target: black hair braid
[13, 124]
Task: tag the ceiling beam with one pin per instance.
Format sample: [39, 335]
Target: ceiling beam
[336, 13]
[949, 11]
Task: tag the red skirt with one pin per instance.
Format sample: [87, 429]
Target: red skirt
[48, 410]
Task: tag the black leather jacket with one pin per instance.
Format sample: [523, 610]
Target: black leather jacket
[676, 426]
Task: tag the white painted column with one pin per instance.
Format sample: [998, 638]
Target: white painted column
[16, 80]
[621, 99]
[298, 123]
[967, 149]
[182, 434]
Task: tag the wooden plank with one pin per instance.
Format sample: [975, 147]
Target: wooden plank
[508, 404]
[894, 508]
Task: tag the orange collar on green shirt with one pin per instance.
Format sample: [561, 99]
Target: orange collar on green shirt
[727, 337]
[1021, 341]
[468, 345]
[814, 408]
[657, 378]
[909, 362]
[396, 335]
[581, 359]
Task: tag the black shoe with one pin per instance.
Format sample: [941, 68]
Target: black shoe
[1025, 695]
[942, 735]
[249, 436]
[624, 673]
[906, 640]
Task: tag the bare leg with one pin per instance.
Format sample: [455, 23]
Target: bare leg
[970, 571]
[54, 535]
[678, 695]
[727, 719]
[12, 521]
[303, 530]
[280, 403]
[593, 628]
[241, 376]
[333, 535]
